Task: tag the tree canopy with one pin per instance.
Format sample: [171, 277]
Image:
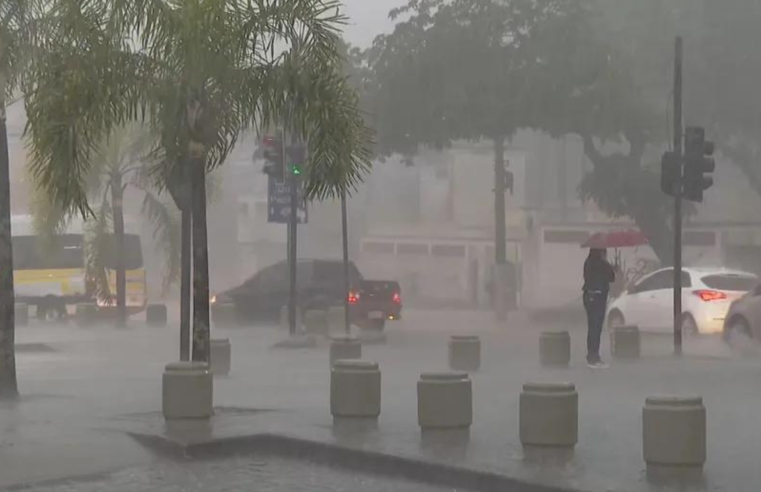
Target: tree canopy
[467, 69]
[209, 68]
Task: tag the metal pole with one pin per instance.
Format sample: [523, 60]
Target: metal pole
[678, 198]
[292, 246]
[345, 239]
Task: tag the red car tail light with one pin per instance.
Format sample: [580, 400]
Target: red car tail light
[396, 298]
[353, 297]
[710, 295]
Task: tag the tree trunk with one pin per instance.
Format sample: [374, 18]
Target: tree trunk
[186, 267]
[117, 205]
[200, 256]
[500, 281]
[500, 233]
[8, 383]
[655, 226]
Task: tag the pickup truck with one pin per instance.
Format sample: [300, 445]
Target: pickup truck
[319, 285]
[372, 302]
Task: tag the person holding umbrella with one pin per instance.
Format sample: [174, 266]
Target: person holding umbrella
[598, 275]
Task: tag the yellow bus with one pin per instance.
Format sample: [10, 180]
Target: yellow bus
[53, 278]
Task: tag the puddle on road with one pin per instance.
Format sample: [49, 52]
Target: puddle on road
[236, 474]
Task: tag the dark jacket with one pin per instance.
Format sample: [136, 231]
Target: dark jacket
[598, 275]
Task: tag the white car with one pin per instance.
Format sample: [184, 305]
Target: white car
[707, 294]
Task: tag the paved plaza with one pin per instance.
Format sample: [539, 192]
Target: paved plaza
[85, 390]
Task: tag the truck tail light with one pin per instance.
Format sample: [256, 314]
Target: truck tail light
[397, 298]
[710, 295]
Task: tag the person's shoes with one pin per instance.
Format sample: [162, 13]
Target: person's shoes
[597, 365]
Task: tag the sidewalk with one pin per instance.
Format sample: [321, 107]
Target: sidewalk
[100, 382]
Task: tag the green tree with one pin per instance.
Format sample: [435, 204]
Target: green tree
[16, 29]
[722, 66]
[199, 72]
[463, 69]
[121, 163]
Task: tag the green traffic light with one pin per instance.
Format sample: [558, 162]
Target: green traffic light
[296, 170]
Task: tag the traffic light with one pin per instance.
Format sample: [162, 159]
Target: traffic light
[274, 164]
[670, 173]
[698, 163]
[296, 159]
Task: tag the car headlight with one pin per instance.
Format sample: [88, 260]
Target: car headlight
[213, 299]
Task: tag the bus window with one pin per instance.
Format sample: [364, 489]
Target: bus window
[65, 252]
[133, 253]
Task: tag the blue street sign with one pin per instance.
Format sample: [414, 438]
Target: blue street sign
[279, 202]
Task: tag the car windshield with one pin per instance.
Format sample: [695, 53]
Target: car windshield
[741, 283]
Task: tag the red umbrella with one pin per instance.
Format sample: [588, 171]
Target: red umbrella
[617, 239]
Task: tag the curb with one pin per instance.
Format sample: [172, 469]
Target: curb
[336, 456]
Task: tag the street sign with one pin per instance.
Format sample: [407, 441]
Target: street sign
[279, 202]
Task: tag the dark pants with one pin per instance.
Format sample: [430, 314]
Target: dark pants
[594, 303]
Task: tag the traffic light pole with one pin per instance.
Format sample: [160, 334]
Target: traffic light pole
[678, 197]
[345, 241]
[292, 239]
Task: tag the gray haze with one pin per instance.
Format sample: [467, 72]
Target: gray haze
[368, 18]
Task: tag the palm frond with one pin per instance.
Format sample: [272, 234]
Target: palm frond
[48, 220]
[166, 234]
[316, 102]
[83, 83]
[98, 243]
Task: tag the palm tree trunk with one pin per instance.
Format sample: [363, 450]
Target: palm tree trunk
[8, 383]
[186, 267]
[117, 204]
[200, 259]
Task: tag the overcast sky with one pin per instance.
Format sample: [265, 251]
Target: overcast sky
[368, 18]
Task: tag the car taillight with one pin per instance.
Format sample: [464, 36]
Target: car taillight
[353, 297]
[397, 298]
[710, 295]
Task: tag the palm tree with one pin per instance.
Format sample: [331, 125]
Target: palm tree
[120, 163]
[15, 33]
[200, 71]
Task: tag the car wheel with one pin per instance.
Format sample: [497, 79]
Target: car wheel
[689, 326]
[615, 320]
[739, 336]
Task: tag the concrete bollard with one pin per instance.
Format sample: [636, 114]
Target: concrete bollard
[316, 322]
[355, 389]
[674, 432]
[156, 315]
[220, 353]
[86, 313]
[344, 347]
[224, 315]
[284, 321]
[444, 401]
[465, 353]
[22, 314]
[549, 415]
[625, 343]
[555, 349]
[187, 391]
[336, 321]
